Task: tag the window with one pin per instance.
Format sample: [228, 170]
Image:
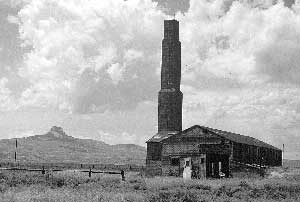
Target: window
[175, 161]
[202, 160]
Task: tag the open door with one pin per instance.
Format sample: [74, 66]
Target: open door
[217, 166]
[187, 169]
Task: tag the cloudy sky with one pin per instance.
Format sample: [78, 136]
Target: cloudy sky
[93, 68]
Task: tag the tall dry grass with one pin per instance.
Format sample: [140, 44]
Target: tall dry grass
[78, 187]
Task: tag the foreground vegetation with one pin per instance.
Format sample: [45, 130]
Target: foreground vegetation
[77, 187]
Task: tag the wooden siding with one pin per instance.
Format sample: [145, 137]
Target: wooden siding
[196, 134]
[195, 142]
[194, 148]
[256, 155]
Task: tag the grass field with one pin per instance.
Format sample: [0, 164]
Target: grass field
[72, 186]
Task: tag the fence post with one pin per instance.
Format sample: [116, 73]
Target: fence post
[123, 175]
[90, 173]
[43, 170]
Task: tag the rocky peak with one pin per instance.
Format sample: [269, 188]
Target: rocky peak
[57, 132]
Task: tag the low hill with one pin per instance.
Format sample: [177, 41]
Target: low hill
[291, 163]
[57, 147]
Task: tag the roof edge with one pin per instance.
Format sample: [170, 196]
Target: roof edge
[167, 134]
[212, 130]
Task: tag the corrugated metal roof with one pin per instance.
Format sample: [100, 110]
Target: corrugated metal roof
[242, 139]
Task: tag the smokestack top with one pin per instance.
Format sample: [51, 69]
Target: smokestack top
[171, 29]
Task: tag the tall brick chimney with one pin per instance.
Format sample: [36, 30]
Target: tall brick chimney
[170, 96]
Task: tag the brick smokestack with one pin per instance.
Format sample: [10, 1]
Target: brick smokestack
[170, 96]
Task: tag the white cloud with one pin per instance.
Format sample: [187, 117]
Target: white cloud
[120, 138]
[104, 57]
[14, 3]
[7, 102]
[115, 72]
[12, 19]
[132, 54]
[79, 42]
[238, 49]
[232, 45]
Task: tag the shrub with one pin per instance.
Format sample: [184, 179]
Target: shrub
[3, 187]
[199, 187]
[137, 183]
[244, 184]
[57, 182]
[173, 195]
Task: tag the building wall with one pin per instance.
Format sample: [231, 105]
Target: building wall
[198, 144]
[256, 155]
[201, 155]
[172, 164]
[153, 159]
[195, 141]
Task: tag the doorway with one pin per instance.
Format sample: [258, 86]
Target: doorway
[217, 166]
[187, 168]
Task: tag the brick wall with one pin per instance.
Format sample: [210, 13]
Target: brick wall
[170, 97]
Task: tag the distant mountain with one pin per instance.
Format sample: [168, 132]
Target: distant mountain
[57, 147]
[291, 163]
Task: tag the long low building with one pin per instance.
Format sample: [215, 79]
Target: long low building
[206, 152]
